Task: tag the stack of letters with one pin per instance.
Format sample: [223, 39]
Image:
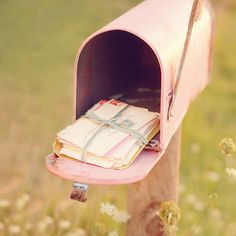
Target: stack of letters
[111, 135]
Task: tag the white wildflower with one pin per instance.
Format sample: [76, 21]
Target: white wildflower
[191, 198]
[195, 148]
[215, 213]
[64, 224]
[48, 220]
[42, 226]
[108, 208]
[198, 230]
[231, 172]
[22, 202]
[230, 229]
[25, 197]
[4, 203]
[113, 233]
[182, 188]
[213, 176]
[121, 216]
[14, 229]
[45, 223]
[199, 205]
[111, 210]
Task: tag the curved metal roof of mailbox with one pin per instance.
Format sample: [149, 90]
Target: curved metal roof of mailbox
[162, 25]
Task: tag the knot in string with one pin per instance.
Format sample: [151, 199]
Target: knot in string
[122, 127]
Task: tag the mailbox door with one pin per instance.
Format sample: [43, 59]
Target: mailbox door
[90, 174]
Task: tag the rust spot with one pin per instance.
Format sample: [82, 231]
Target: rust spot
[78, 195]
[153, 226]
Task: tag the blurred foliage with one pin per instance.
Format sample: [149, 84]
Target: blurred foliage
[38, 44]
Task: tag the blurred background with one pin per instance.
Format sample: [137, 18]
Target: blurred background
[38, 44]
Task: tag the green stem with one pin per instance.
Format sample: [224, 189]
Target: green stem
[209, 201]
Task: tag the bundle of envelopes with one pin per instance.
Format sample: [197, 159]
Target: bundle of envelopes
[111, 134]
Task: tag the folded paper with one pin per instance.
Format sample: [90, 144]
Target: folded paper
[111, 134]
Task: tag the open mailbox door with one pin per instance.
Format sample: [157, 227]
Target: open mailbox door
[140, 49]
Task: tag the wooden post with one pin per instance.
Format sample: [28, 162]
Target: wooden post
[145, 197]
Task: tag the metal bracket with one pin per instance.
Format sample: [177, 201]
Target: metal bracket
[79, 192]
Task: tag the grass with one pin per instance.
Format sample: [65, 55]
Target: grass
[39, 41]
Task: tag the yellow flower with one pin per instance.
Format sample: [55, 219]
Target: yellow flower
[213, 199]
[169, 214]
[227, 146]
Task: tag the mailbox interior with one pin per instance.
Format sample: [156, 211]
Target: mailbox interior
[115, 62]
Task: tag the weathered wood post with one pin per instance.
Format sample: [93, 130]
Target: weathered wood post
[160, 185]
[145, 197]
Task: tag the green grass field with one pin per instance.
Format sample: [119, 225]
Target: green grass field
[38, 44]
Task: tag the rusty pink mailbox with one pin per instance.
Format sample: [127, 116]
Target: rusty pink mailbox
[142, 48]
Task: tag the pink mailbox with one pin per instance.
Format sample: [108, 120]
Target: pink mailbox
[141, 49]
